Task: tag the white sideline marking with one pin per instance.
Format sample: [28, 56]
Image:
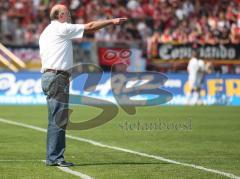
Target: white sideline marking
[68, 170]
[230, 175]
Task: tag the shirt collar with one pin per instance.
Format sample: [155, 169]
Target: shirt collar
[54, 21]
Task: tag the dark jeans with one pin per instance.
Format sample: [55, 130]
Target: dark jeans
[56, 88]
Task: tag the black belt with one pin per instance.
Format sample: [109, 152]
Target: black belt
[58, 72]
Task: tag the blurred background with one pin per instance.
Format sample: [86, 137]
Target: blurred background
[159, 36]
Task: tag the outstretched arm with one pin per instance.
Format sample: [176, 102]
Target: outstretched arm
[96, 25]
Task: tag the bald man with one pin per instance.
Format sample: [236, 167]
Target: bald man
[56, 53]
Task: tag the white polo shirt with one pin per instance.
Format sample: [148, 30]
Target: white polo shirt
[55, 45]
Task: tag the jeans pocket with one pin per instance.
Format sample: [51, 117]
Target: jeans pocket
[49, 84]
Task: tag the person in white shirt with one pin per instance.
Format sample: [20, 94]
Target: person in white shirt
[197, 69]
[56, 54]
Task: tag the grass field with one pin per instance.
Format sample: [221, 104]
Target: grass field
[210, 138]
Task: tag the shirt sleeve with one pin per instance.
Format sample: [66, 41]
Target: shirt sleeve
[74, 31]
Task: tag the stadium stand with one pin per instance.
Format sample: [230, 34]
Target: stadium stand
[176, 21]
[151, 21]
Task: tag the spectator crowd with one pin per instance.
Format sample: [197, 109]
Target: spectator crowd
[164, 21]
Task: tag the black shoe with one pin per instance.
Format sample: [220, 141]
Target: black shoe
[62, 164]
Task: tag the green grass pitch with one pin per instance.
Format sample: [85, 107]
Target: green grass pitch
[206, 136]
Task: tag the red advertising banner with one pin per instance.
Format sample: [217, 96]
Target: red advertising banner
[110, 56]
